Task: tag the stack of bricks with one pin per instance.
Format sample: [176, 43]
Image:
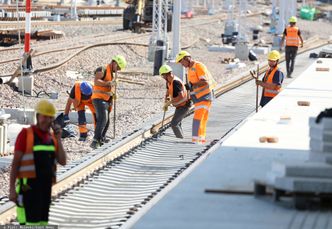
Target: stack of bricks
[321, 140]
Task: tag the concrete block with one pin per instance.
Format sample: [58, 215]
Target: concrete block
[26, 83]
[18, 114]
[320, 157]
[241, 51]
[325, 123]
[219, 48]
[320, 134]
[303, 184]
[304, 169]
[73, 116]
[320, 146]
[261, 50]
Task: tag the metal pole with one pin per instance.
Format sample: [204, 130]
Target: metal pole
[176, 18]
[27, 26]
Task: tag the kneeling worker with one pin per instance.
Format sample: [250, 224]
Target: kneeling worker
[80, 96]
[272, 79]
[177, 94]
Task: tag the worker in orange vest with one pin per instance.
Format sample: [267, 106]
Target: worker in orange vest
[201, 85]
[80, 96]
[177, 96]
[37, 149]
[293, 38]
[103, 95]
[272, 79]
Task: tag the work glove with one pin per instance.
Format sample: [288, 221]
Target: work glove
[188, 86]
[112, 83]
[166, 105]
[115, 97]
[66, 118]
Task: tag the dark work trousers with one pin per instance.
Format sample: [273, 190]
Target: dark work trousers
[179, 114]
[291, 52]
[103, 111]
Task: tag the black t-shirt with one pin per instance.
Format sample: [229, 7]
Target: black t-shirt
[298, 32]
[83, 97]
[177, 88]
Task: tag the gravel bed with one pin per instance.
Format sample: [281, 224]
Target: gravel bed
[136, 103]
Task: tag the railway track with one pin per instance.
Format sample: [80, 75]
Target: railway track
[38, 24]
[141, 155]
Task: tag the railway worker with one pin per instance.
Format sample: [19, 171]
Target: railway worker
[177, 96]
[102, 96]
[80, 96]
[293, 38]
[37, 149]
[272, 79]
[201, 85]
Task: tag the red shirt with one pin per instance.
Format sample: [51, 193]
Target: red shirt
[21, 139]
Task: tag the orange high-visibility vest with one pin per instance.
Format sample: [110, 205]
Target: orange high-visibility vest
[269, 79]
[78, 95]
[103, 92]
[292, 36]
[27, 167]
[195, 74]
[177, 101]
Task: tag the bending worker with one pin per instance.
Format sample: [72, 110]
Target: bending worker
[80, 96]
[272, 79]
[177, 96]
[102, 96]
[201, 86]
[37, 149]
[293, 38]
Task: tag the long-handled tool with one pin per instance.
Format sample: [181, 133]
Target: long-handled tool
[114, 104]
[255, 75]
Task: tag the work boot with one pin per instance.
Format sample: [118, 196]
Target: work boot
[289, 75]
[105, 140]
[95, 144]
[82, 139]
[66, 119]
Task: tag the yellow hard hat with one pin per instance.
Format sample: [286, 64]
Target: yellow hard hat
[121, 61]
[181, 55]
[46, 108]
[165, 69]
[292, 19]
[273, 55]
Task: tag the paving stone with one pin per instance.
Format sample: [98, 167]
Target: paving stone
[321, 134]
[320, 157]
[320, 146]
[325, 123]
[304, 184]
[304, 169]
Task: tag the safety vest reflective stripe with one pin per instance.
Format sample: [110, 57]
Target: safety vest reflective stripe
[27, 157]
[272, 91]
[269, 79]
[26, 168]
[43, 148]
[202, 77]
[201, 91]
[292, 37]
[201, 107]
[181, 102]
[103, 92]
[27, 165]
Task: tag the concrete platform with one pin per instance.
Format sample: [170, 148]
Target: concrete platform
[241, 159]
